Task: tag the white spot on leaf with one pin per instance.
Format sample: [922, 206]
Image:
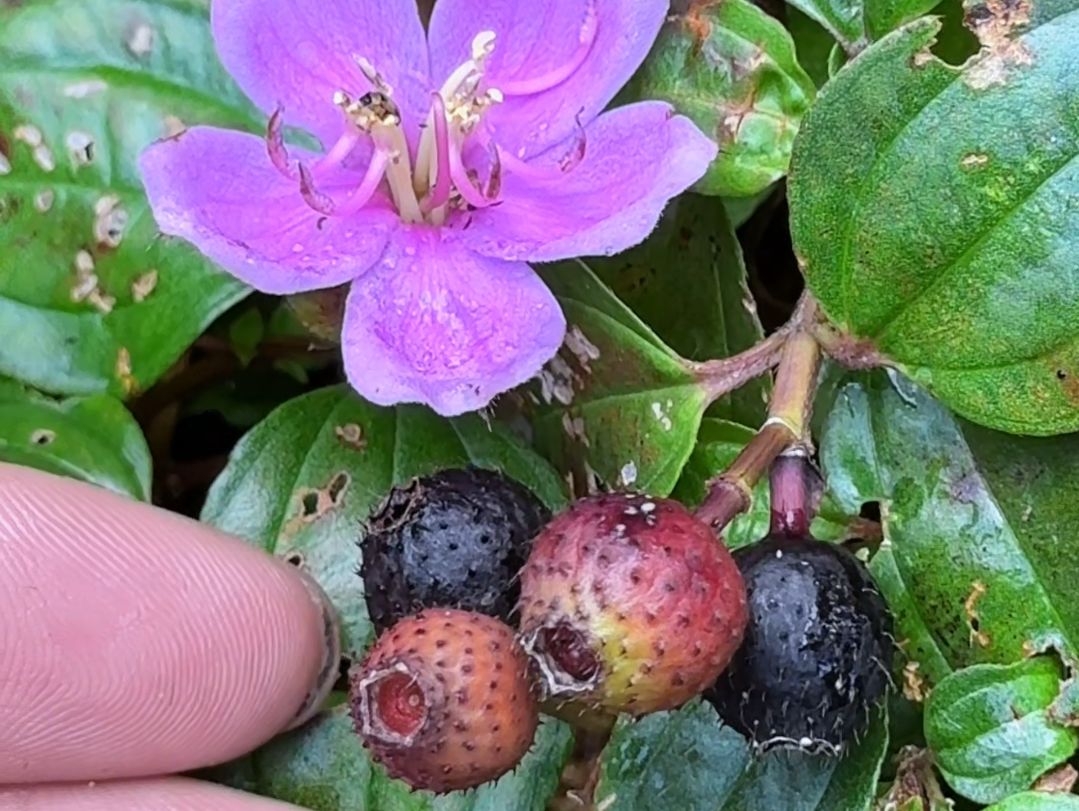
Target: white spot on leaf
[661, 415]
[43, 158]
[144, 285]
[584, 350]
[110, 220]
[43, 200]
[80, 90]
[29, 135]
[80, 148]
[140, 40]
[628, 474]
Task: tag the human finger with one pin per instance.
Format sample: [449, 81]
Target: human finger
[154, 794]
[137, 642]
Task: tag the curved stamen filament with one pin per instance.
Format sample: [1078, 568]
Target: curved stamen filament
[320, 202]
[463, 183]
[375, 172]
[324, 204]
[337, 154]
[574, 155]
[555, 77]
[440, 193]
[275, 145]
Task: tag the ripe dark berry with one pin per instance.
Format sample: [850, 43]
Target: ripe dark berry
[443, 700]
[818, 648]
[456, 539]
[630, 604]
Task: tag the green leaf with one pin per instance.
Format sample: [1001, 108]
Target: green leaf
[688, 760]
[731, 69]
[990, 728]
[323, 766]
[843, 19]
[246, 333]
[91, 299]
[1037, 801]
[940, 233]
[813, 44]
[884, 16]
[616, 402]
[94, 439]
[718, 443]
[977, 523]
[687, 281]
[301, 482]
[795, 781]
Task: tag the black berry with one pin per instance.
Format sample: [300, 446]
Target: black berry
[817, 654]
[454, 539]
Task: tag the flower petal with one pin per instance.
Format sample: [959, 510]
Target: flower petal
[218, 190]
[537, 38]
[297, 53]
[636, 159]
[434, 323]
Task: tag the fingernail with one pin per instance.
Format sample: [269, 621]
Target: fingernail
[331, 653]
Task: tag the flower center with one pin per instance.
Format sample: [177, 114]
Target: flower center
[438, 181]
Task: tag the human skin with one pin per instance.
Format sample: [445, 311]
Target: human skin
[136, 644]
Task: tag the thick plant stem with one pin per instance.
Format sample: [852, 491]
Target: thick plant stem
[787, 425]
[796, 489]
[720, 377]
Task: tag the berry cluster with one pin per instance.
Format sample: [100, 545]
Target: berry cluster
[489, 609]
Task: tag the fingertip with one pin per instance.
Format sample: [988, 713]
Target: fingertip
[145, 642]
[160, 794]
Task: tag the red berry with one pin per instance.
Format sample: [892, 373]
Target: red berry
[443, 700]
[629, 603]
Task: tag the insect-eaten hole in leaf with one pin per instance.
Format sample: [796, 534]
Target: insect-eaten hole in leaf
[296, 558]
[977, 635]
[313, 504]
[43, 436]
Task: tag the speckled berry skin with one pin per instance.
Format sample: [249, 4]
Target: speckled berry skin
[443, 700]
[454, 539]
[630, 604]
[818, 648]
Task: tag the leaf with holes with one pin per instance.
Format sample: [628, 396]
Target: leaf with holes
[301, 482]
[940, 236]
[615, 404]
[688, 760]
[976, 522]
[91, 299]
[731, 69]
[324, 767]
[687, 281]
[94, 439]
[992, 729]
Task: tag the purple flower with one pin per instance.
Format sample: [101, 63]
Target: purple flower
[449, 162]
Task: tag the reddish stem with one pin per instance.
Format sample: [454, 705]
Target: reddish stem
[796, 490]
